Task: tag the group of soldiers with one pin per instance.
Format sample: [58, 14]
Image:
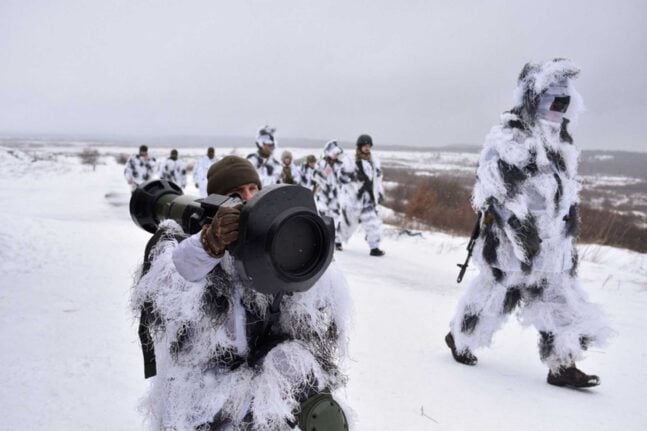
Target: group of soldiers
[141, 167]
[346, 189]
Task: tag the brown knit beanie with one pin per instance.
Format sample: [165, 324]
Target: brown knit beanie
[231, 172]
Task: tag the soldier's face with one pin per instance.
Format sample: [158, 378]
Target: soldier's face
[268, 148]
[287, 161]
[245, 191]
[144, 154]
[210, 154]
[366, 148]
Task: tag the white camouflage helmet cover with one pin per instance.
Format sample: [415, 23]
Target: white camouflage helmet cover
[332, 149]
[265, 135]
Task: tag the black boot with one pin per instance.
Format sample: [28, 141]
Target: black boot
[466, 357]
[377, 252]
[338, 246]
[572, 377]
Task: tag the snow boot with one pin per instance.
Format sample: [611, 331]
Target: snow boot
[465, 357]
[572, 377]
[377, 252]
[338, 246]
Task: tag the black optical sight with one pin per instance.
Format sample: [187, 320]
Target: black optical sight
[283, 244]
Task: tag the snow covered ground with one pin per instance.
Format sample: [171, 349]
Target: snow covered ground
[70, 357]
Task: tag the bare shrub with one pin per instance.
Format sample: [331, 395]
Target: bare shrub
[607, 227]
[439, 201]
[443, 202]
[89, 156]
[42, 157]
[121, 158]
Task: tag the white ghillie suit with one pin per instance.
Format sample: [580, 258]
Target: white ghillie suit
[200, 170]
[138, 170]
[527, 190]
[203, 332]
[365, 193]
[174, 171]
[269, 169]
[331, 173]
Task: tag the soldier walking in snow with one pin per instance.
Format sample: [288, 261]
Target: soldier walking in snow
[200, 170]
[290, 173]
[213, 373]
[331, 173]
[527, 193]
[174, 170]
[269, 169]
[307, 171]
[140, 168]
[370, 193]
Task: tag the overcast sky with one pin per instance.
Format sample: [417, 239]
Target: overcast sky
[408, 72]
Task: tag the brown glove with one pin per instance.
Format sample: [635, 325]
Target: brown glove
[222, 231]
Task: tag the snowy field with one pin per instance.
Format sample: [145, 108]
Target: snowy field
[70, 357]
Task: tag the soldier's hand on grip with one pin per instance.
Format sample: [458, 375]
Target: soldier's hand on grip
[222, 231]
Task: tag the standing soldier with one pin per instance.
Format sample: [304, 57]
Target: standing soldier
[200, 171]
[527, 193]
[290, 173]
[269, 169]
[307, 171]
[331, 173]
[140, 168]
[174, 170]
[370, 193]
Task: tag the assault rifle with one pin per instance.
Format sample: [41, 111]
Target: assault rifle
[470, 246]
[367, 184]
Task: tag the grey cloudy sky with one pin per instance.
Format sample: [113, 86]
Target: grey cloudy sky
[408, 72]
